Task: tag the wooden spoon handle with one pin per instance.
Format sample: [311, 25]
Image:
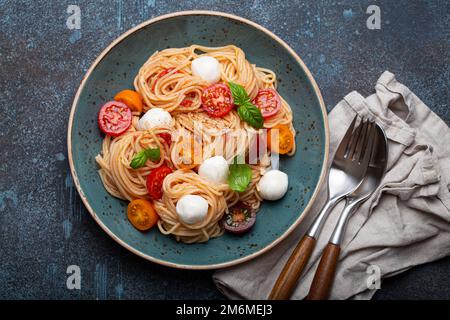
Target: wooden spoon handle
[324, 277]
[287, 280]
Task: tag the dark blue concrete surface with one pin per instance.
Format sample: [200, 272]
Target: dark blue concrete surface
[43, 224]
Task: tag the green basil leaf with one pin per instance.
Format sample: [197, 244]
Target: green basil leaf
[240, 97]
[240, 176]
[251, 114]
[153, 154]
[141, 157]
[139, 160]
[246, 110]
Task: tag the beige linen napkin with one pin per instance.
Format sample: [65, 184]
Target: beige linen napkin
[405, 223]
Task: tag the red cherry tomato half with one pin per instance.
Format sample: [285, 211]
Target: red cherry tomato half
[217, 100]
[188, 100]
[186, 103]
[155, 181]
[268, 101]
[167, 137]
[161, 75]
[239, 219]
[114, 118]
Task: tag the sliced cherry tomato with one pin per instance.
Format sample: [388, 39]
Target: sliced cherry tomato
[187, 152]
[141, 214]
[188, 100]
[131, 98]
[285, 139]
[114, 118]
[217, 100]
[162, 74]
[239, 219]
[186, 103]
[268, 101]
[167, 137]
[155, 181]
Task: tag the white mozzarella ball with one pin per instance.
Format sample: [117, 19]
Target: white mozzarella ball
[155, 117]
[214, 169]
[273, 185]
[192, 209]
[207, 68]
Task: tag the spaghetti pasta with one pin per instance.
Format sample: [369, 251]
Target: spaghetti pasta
[181, 183]
[166, 81]
[119, 179]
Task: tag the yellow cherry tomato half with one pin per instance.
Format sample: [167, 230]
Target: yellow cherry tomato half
[131, 98]
[187, 153]
[285, 139]
[141, 214]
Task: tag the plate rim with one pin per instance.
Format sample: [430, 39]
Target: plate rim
[203, 266]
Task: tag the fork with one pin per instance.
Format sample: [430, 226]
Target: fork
[346, 174]
[323, 279]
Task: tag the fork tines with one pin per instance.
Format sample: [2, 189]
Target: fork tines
[357, 143]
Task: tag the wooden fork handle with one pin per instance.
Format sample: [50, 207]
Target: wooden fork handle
[324, 277]
[287, 280]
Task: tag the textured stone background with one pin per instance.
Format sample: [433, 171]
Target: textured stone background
[43, 224]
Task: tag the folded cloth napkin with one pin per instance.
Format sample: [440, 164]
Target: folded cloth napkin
[405, 223]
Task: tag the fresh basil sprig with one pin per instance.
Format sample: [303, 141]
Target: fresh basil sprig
[142, 156]
[240, 176]
[251, 114]
[240, 96]
[247, 111]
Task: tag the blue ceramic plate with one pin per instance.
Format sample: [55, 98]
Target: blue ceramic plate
[115, 70]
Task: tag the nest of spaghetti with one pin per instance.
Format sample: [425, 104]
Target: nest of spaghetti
[172, 144]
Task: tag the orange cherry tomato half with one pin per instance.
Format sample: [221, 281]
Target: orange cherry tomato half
[217, 100]
[155, 181]
[141, 214]
[285, 139]
[131, 98]
[268, 101]
[187, 154]
[114, 118]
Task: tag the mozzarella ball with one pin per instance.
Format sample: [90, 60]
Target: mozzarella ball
[214, 169]
[192, 209]
[273, 185]
[207, 68]
[155, 117]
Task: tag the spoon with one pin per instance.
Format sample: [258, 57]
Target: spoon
[324, 277]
